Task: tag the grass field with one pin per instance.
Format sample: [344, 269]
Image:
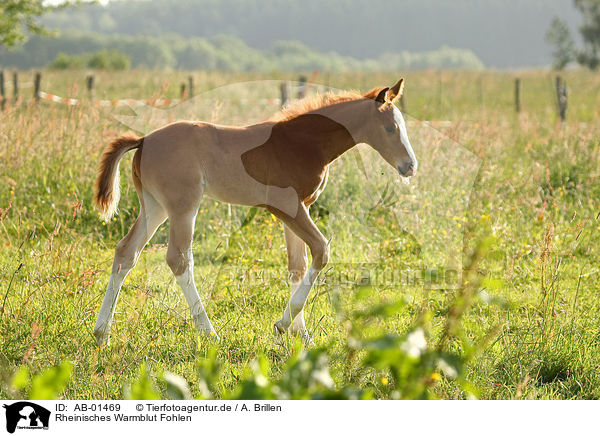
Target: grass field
[524, 323]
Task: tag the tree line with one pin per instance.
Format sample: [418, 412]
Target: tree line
[565, 49]
[221, 52]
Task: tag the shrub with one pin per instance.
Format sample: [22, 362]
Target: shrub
[101, 60]
[65, 62]
[109, 60]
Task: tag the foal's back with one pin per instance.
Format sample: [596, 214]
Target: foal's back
[240, 165]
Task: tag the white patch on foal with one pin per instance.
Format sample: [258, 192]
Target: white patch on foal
[298, 300]
[187, 285]
[298, 324]
[107, 310]
[404, 137]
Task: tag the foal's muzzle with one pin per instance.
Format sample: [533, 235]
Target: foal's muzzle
[408, 169]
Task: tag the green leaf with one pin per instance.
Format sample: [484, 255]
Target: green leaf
[142, 387]
[177, 387]
[385, 310]
[21, 378]
[49, 384]
[249, 217]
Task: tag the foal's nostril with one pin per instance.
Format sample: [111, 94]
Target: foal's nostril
[407, 169]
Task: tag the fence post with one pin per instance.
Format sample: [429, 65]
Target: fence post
[15, 87]
[182, 91]
[518, 95]
[36, 86]
[302, 87]
[90, 86]
[480, 89]
[283, 88]
[2, 93]
[440, 90]
[191, 87]
[561, 98]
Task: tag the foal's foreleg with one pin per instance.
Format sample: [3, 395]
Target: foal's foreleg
[305, 228]
[297, 267]
[181, 262]
[127, 253]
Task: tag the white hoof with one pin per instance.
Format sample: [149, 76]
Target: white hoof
[102, 337]
[279, 328]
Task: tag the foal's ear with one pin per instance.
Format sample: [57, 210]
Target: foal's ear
[377, 94]
[395, 91]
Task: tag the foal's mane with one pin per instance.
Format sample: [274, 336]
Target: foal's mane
[314, 102]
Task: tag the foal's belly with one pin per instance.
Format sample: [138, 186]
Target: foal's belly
[249, 192]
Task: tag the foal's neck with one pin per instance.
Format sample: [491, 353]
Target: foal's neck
[334, 129]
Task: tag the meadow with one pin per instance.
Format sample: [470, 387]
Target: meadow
[521, 324]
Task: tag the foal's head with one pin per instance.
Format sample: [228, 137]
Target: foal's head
[386, 130]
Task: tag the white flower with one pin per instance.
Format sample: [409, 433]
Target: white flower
[415, 343]
[446, 368]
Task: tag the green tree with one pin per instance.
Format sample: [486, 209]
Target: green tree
[590, 32]
[559, 36]
[18, 19]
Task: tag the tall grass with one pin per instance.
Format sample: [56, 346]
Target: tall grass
[528, 316]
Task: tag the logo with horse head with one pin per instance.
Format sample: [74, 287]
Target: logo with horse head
[26, 415]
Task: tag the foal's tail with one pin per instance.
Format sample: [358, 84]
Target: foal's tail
[106, 190]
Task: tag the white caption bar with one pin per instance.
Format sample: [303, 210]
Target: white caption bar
[298, 417]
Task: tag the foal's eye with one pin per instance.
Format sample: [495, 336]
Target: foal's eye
[390, 129]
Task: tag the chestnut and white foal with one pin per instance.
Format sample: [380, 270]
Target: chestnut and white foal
[281, 164]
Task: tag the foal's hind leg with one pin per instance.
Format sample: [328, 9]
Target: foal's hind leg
[127, 253]
[297, 266]
[181, 262]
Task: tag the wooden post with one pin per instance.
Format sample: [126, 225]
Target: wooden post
[37, 81]
[301, 87]
[2, 92]
[518, 95]
[15, 87]
[283, 89]
[440, 95]
[480, 89]
[90, 87]
[561, 98]
[191, 87]
[182, 91]
[402, 103]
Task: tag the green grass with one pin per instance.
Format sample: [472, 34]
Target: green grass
[536, 193]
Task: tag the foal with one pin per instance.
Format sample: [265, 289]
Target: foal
[281, 164]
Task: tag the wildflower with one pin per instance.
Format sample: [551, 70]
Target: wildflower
[436, 376]
[446, 368]
[415, 343]
[384, 381]
[212, 333]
